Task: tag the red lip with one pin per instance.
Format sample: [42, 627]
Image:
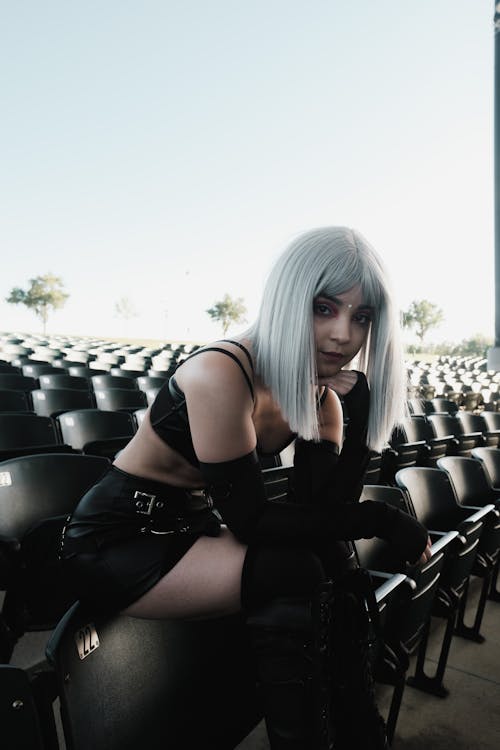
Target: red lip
[332, 355]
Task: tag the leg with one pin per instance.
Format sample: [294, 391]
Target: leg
[206, 582]
[281, 592]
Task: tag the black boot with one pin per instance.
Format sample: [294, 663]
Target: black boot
[358, 723]
[292, 674]
[282, 595]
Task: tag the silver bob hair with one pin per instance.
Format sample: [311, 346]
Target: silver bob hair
[328, 261]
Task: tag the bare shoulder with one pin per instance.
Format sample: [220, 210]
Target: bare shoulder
[213, 368]
[219, 403]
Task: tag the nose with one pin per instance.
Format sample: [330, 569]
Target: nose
[341, 328]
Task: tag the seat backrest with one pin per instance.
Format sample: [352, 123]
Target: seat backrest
[444, 405]
[53, 401]
[40, 486]
[490, 460]
[445, 424]
[103, 382]
[14, 401]
[64, 380]
[468, 480]
[153, 683]
[25, 430]
[145, 382]
[17, 382]
[81, 426]
[120, 398]
[492, 419]
[431, 495]
[19, 718]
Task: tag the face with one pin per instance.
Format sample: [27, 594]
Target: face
[341, 325]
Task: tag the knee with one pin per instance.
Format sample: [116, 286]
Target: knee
[272, 573]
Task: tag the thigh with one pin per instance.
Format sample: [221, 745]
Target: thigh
[206, 582]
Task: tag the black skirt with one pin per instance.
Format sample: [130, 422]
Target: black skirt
[126, 533]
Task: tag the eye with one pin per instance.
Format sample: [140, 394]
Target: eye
[324, 308]
[363, 319]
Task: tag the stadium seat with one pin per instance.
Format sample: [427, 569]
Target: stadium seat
[114, 399]
[105, 382]
[14, 401]
[126, 683]
[64, 380]
[95, 431]
[432, 499]
[407, 621]
[54, 401]
[27, 433]
[37, 492]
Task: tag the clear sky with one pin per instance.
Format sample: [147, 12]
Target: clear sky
[166, 151]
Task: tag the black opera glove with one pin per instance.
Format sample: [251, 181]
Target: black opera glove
[238, 493]
[320, 473]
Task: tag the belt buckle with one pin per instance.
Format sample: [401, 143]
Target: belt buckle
[144, 506]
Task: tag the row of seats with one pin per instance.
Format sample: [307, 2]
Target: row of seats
[172, 664]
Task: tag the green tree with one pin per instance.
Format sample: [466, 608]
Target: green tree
[124, 308]
[422, 315]
[44, 293]
[227, 311]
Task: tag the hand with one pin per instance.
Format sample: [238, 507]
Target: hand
[426, 554]
[342, 383]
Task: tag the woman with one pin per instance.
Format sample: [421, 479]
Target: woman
[180, 527]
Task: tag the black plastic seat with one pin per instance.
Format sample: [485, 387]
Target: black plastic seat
[95, 431]
[446, 405]
[51, 402]
[22, 434]
[14, 401]
[462, 443]
[153, 683]
[145, 382]
[432, 499]
[20, 721]
[37, 493]
[35, 369]
[105, 382]
[472, 489]
[490, 460]
[13, 382]
[63, 380]
[114, 399]
[417, 430]
[407, 627]
[476, 423]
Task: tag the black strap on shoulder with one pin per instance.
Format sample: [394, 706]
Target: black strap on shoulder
[243, 349]
[233, 356]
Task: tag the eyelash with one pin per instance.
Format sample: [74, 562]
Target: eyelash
[323, 309]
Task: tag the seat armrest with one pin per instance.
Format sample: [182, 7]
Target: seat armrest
[445, 538]
[391, 581]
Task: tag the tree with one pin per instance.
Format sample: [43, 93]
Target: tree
[227, 311]
[44, 293]
[422, 315]
[124, 308]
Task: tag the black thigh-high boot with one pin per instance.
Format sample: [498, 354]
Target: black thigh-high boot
[358, 723]
[284, 595]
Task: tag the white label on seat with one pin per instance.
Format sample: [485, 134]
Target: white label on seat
[86, 640]
[69, 421]
[40, 396]
[5, 479]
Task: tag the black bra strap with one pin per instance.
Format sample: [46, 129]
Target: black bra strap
[233, 356]
[243, 349]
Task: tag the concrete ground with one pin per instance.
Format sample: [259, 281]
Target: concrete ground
[468, 719]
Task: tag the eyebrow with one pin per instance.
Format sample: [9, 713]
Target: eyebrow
[340, 303]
